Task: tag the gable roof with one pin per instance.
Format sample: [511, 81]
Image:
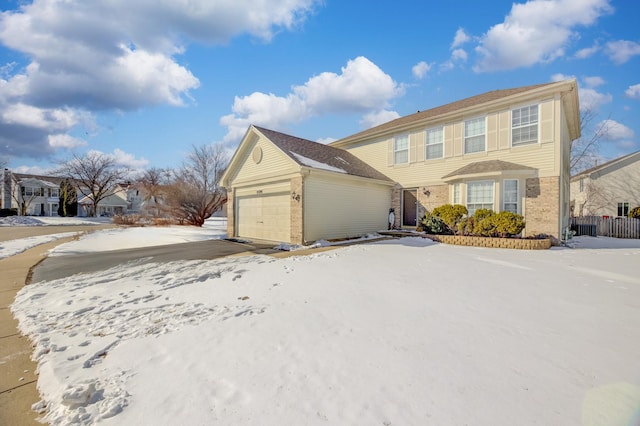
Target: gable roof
[315, 155]
[608, 164]
[453, 107]
[488, 166]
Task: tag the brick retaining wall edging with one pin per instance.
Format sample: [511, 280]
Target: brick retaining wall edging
[510, 243]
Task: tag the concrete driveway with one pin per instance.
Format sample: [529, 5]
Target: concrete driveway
[55, 267]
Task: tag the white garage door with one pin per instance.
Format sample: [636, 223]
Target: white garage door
[264, 216]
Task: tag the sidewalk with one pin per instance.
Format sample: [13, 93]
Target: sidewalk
[18, 378]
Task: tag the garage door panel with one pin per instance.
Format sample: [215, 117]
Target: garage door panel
[264, 216]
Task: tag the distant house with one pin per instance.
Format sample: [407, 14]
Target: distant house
[35, 195]
[30, 195]
[609, 189]
[503, 150]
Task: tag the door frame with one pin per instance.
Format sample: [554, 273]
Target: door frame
[414, 193]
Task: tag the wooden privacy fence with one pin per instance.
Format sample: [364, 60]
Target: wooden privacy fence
[617, 227]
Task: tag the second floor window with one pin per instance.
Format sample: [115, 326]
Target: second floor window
[434, 146]
[474, 135]
[401, 149]
[524, 125]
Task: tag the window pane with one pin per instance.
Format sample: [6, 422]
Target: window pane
[474, 137]
[510, 195]
[434, 151]
[524, 125]
[479, 196]
[401, 149]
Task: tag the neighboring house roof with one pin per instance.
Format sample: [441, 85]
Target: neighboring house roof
[456, 107]
[634, 156]
[315, 155]
[51, 179]
[488, 166]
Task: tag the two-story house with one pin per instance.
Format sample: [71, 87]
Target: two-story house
[609, 189]
[503, 150]
[31, 195]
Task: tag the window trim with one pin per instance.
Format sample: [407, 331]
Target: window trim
[396, 151]
[504, 202]
[536, 124]
[427, 144]
[493, 194]
[465, 137]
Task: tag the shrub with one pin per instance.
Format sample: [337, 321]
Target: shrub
[433, 224]
[503, 224]
[8, 212]
[451, 214]
[634, 212]
[465, 226]
[128, 219]
[508, 224]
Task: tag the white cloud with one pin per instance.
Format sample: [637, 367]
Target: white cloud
[590, 98]
[460, 38]
[361, 87]
[124, 159]
[421, 69]
[593, 81]
[66, 141]
[326, 141]
[633, 91]
[375, 118]
[587, 52]
[614, 131]
[622, 50]
[88, 56]
[459, 55]
[534, 32]
[32, 170]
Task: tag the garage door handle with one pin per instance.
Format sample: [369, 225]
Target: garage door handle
[259, 221]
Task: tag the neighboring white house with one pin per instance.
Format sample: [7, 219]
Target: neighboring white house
[30, 195]
[34, 195]
[610, 189]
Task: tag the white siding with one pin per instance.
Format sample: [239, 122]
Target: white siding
[337, 208]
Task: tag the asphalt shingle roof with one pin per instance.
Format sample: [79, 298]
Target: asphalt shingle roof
[487, 167]
[444, 109]
[336, 158]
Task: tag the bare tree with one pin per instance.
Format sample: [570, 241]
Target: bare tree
[584, 150]
[155, 182]
[195, 193]
[96, 174]
[24, 194]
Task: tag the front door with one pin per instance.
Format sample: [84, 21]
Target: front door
[409, 208]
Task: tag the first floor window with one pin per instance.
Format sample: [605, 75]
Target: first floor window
[581, 184]
[623, 209]
[510, 195]
[434, 145]
[456, 194]
[479, 195]
[401, 150]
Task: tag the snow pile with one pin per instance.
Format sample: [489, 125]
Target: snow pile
[12, 247]
[317, 164]
[51, 221]
[125, 238]
[392, 332]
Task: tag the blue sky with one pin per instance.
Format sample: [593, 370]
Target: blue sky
[145, 80]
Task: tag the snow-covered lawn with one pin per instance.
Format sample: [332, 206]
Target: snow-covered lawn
[397, 332]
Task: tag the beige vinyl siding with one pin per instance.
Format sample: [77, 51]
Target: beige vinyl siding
[339, 207]
[273, 163]
[264, 212]
[544, 156]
